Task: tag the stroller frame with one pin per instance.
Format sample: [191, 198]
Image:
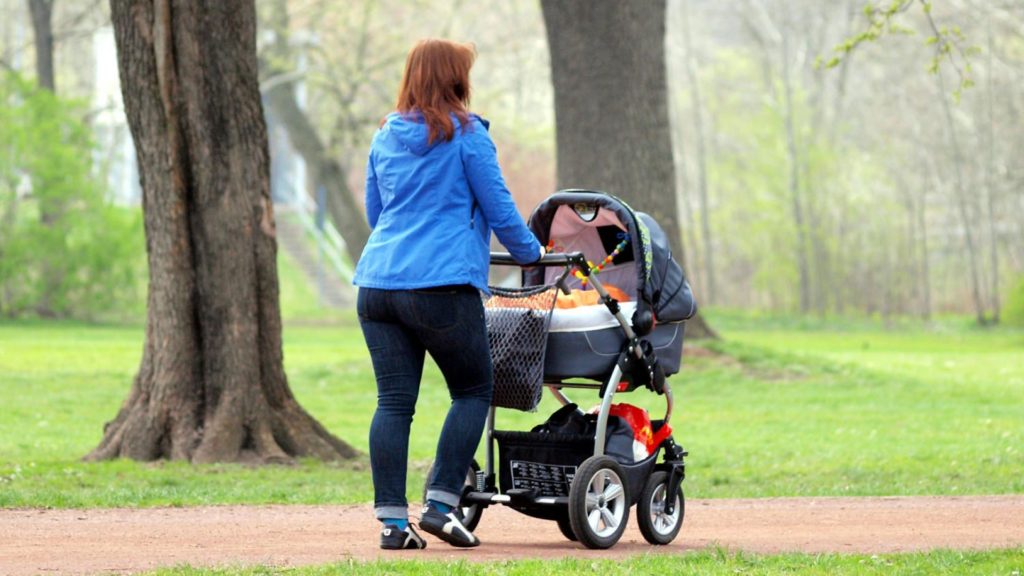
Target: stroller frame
[596, 511]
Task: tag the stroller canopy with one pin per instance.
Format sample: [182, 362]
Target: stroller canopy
[598, 224]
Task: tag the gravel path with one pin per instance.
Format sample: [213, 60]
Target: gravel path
[132, 540]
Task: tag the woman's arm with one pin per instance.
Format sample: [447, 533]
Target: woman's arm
[373, 203]
[480, 159]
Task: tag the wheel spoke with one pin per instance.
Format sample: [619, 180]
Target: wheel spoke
[591, 501]
[598, 482]
[609, 520]
[612, 491]
[594, 518]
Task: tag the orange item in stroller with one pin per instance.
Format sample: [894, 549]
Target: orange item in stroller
[578, 298]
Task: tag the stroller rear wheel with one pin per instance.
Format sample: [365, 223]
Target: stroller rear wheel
[565, 526]
[471, 513]
[656, 525]
[598, 502]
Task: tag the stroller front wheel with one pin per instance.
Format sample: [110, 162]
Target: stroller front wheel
[658, 527]
[598, 502]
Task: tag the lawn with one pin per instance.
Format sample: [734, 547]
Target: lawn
[1001, 562]
[769, 410]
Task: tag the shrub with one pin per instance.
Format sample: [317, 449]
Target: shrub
[64, 249]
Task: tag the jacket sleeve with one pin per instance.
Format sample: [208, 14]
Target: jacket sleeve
[480, 160]
[373, 203]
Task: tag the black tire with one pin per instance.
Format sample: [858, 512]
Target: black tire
[599, 502]
[566, 528]
[471, 513]
[657, 527]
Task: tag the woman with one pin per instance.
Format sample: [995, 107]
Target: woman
[434, 192]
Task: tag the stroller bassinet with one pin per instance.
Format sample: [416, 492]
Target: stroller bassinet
[585, 343]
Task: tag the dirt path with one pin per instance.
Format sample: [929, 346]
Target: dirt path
[120, 540]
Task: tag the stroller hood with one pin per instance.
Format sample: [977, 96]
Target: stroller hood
[661, 286]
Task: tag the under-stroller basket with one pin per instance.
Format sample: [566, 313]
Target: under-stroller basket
[517, 329]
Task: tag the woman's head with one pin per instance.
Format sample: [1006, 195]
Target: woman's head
[436, 83]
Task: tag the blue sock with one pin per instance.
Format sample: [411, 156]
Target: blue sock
[402, 523]
[439, 506]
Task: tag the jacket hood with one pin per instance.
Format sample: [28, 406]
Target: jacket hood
[412, 132]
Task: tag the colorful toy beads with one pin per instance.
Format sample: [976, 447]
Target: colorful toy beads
[595, 269]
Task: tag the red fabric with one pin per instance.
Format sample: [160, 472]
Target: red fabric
[639, 421]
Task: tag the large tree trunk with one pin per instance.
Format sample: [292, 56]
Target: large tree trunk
[211, 386]
[611, 106]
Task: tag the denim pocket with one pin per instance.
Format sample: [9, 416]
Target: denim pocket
[439, 310]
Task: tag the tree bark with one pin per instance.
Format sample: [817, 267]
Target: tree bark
[42, 27]
[211, 385]
[611, 106]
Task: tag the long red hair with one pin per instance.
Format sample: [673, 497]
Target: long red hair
[436, 84]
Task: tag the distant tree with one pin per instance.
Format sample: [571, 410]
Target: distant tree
[211, 385]
[611, 106]
[327, 170]
[42, 26]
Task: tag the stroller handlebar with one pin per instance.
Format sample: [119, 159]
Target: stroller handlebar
[556, 259]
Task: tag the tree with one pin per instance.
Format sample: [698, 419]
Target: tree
[611, 106]
[211, 385]
[42, 26]
[327, 171]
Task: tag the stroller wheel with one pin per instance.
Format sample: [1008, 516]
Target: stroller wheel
[598, 502]
[658, 527]
[471, 513]
[565, 526]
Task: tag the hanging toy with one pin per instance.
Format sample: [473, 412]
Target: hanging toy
[595, 269]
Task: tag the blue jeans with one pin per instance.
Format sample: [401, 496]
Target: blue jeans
[400, 326]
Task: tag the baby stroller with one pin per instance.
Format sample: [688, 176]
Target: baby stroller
[627, 334]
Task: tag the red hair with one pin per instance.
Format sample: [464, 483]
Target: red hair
[436, 84]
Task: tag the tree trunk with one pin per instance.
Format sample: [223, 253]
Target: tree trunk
[51, 210]
[990, 186]
[961, 200]
[42, 26]
[611, 107]
[211, 385]
[341, 207]
[328, 172]
[794, 180]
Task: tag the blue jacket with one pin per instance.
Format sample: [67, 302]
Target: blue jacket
[432, 208]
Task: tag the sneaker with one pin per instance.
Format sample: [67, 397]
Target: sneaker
[394, 538]
[447, 527]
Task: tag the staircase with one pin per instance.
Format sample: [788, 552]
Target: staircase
[319, 257]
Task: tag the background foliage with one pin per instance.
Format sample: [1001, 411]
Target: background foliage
[64, 249]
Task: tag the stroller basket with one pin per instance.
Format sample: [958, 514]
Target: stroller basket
[517, 329]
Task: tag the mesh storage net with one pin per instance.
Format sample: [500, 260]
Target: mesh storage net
[517, 328]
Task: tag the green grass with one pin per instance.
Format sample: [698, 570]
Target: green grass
[782, 411]
[999, 562]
